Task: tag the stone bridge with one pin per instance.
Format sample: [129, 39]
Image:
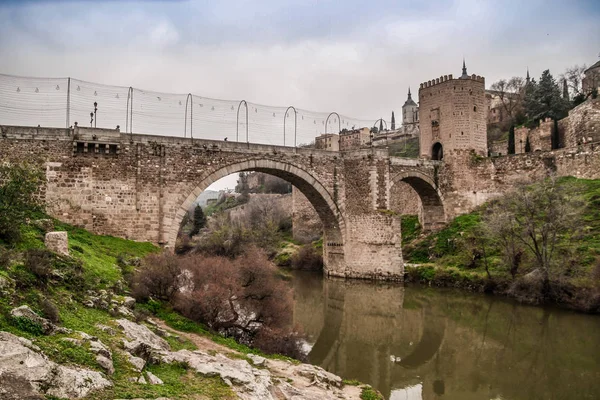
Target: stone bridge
[140, 186]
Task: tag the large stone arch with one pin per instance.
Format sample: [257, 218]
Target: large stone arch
[315, 192]
[432, 202]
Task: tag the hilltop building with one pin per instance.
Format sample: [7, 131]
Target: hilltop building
[452, 115]
[328, 141]
[591, 79]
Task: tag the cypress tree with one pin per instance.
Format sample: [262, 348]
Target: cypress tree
[555, 139]
[381, 125]
[199, 220]
[527, 146]
[511, 140]
[393, 121]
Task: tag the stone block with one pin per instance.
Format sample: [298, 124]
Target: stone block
[57, 242]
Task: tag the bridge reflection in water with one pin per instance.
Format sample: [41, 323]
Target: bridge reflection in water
[421, 343]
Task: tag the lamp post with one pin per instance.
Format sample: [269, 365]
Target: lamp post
[95, 110]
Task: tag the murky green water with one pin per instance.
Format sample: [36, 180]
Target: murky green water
[420, 343]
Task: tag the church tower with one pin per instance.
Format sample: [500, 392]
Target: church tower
[410, 111]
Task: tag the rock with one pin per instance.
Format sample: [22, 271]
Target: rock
[142, 340]
[534, 276]
[45, 377]
[248, 382]
[319, 375]
[99, 348]
[57, 242]
[14, 387]
[106, 364]
[257, 360]
[124, 312]
[106, 329]
[45, 224]
[142, 380]
[153, 379]
[129, 302]
[137, 363]
[7, 286]
[48, 328]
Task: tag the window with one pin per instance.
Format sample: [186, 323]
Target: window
[91, 147]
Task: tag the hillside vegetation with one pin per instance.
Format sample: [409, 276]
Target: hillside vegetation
[484, 250]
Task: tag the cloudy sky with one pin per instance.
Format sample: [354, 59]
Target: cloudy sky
[354, 57]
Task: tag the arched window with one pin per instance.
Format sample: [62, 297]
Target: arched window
[437, 152]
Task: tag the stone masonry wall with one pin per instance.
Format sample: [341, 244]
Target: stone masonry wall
[306, 224]
[140, 186]
[582, 125]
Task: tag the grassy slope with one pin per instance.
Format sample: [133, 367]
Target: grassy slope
[97, 255]
[408, 148]
[446, 251]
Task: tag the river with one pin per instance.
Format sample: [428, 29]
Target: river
[414, 343]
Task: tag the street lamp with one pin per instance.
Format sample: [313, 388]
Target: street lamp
[95, 110]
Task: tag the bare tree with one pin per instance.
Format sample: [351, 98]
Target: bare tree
[510, 93]
[574, 76]
[499, 226]
[539, 217]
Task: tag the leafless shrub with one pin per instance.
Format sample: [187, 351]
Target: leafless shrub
[158, 277]
[39, 263]
[50, 311]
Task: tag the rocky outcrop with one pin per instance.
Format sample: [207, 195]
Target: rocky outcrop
[48, 328]
[57, 242]
[108, 301]
[142, 341]
[24, 366]
[102, 352]
[248, 382]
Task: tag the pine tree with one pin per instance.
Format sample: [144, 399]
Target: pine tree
[393, 121]
[543, 100]
[199, 220]
[511, 140]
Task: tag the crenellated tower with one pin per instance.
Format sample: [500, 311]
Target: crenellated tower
[452, 115]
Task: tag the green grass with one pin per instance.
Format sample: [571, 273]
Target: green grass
[445, 255]
[180, 323]
[99, 253]
[410, 228]
[438, 244]
[368, 393]
[179, 383]
[408, 148]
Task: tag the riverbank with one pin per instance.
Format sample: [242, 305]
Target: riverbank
[68, 329]
[478, 253]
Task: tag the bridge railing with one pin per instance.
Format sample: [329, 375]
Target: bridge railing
[62, 102]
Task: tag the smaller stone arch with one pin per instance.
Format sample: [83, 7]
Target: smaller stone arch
[437, 151]
[434, 215]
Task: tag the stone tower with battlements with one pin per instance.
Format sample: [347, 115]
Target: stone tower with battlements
[452, 115]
